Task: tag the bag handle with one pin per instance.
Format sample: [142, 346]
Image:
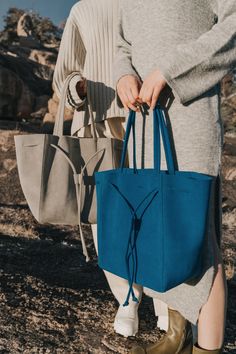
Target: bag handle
[58, 127]
[78, 180]
[159, 116]
[130, 125]
[159, 126]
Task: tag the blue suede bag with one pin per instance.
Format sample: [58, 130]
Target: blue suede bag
[152, 223]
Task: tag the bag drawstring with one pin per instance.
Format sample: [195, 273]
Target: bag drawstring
[131, 253]
[78, 180]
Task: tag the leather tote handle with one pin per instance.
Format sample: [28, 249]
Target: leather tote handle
[58, 127]
[159, 127]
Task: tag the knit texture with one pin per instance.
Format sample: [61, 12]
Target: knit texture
[88, 47]
[193, 44]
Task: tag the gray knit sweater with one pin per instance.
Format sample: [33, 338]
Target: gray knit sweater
[193, 44]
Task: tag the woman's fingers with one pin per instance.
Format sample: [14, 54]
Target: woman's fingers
[128, 91]
[131, 94]
[132, 100]
[151, 88]
[128, 101]
[135, 91]
[124, 101]
[155, 96]
[146, 94]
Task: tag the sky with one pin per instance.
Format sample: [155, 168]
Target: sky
[57, 10]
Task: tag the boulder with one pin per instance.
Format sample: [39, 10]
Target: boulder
[24, 26]
[50, 117]
[43, 57]
[10, 92]
[53, 104]
[41, 102]
[26, 103]
[29, 42]
[24, 87]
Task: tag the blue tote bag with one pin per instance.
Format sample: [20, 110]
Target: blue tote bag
[152, 223]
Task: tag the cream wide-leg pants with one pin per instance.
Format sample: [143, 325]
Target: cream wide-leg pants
[115, 128]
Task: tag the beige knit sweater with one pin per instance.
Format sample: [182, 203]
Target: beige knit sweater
[88, 47]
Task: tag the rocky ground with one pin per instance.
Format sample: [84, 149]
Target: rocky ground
[51, 300]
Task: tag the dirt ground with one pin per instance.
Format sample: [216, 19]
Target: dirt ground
[52, 301]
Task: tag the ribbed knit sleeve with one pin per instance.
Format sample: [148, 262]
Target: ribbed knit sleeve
[88, 48]
[192, 68]
[70, 59]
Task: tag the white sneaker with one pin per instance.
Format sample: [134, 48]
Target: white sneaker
[163, 322]
[126, 321]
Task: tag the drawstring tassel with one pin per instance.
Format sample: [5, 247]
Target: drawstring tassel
[133, 235]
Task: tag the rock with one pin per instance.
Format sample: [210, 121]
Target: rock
[230, 145]
[41, 107]
[226, 85]
[24, 87]
[40, 113]
[228, 108]
[25, 32]
[231, 174]
[229, 219]
[5, 141]
[10, 83]
[53, 105]
[9, 164]
[48, 118]
[10, 92]
[41, 102]
[29, 42]
[25, 104]
[16, 99]
[229, 165]
[43, 57]
[24, 26]
[52, 111]
[228, 192]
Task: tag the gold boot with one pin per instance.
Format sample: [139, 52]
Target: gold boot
[197, 350]
[178, 339]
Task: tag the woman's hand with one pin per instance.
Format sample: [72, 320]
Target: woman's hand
[128, 88]
[81, 88]
[151, 88]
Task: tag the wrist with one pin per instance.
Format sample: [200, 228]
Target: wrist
[74, 99]
[81, 88]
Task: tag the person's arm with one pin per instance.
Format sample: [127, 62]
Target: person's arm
[70, 59]
[77, 91]
[194, 67]
[126, 79]
[122, 65]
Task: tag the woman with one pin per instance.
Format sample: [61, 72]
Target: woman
[88, 48]
[187, 46]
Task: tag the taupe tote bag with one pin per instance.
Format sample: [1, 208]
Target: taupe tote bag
[57, 172]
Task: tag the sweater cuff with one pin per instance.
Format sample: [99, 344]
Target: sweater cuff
[73, 98]
[123, 71]
[179, 85]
